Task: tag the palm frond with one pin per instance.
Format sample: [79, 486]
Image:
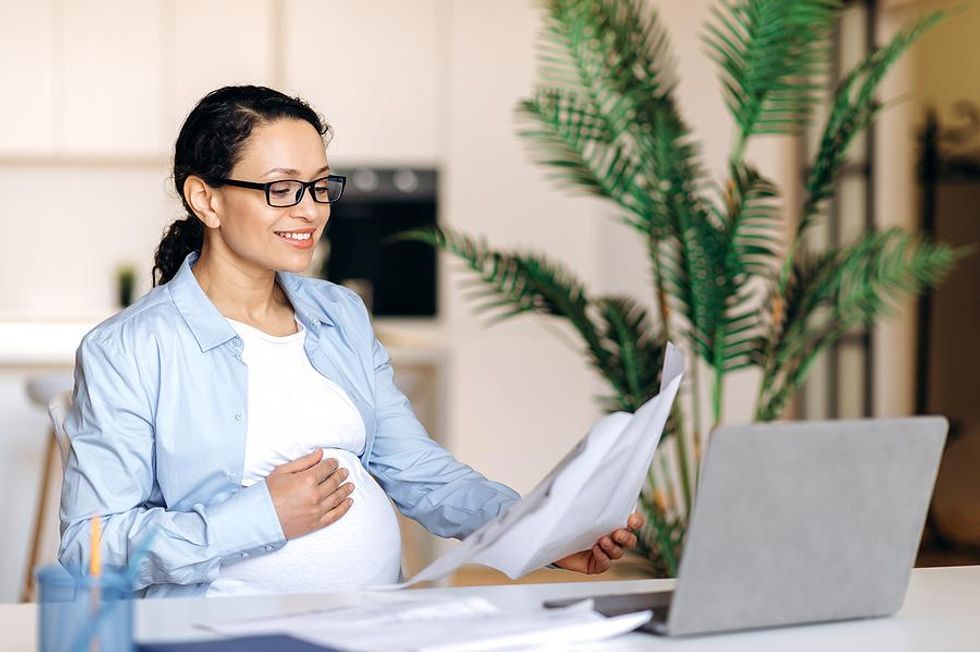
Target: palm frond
[595, 50]
[513, 284]
[853, 108]
[520, 282]
[716, 256]
[612, 51]
[689, 266]
[662, 536]
[638, 351]
[840, 291]
[577, 144]
[609, 124]
[613, 58]
[751, 221]
[772, 54]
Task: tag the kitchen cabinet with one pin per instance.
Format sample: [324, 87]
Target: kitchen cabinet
[216, 43]
[113, 71]
[370, 68]
[27, 113]
[110, 80]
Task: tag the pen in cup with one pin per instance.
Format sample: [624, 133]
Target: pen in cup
[129, 574]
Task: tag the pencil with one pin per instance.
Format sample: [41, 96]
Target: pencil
[95, 572]
[95, 561]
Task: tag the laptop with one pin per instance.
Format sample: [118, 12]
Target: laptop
[797, 523]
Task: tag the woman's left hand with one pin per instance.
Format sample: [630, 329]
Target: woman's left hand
[598, 559]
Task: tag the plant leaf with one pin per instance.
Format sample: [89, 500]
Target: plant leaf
[770, 52]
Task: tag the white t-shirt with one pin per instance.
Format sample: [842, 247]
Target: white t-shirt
[292, 410]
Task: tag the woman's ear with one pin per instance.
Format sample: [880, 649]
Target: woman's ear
[203, 200]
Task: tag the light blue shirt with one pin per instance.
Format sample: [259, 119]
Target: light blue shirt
[157, 429]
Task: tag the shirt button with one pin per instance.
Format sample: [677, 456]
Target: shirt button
[268, 548]
[233, 477]
[244, 555]
[238, 416]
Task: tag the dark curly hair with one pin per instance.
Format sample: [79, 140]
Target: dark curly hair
[208, 146]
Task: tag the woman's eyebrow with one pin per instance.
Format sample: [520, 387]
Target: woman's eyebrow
[294, 171]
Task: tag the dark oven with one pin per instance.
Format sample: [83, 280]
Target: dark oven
[394, 279]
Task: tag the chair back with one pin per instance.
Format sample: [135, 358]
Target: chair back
[57, 410]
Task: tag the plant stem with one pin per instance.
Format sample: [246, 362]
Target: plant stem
[761, 399]
[738, 152]
[718, 387]
[716, 397]
[696, 400]
[659, 526]
[653, 246]
[656, 516]
[676, 414]
[682, 453]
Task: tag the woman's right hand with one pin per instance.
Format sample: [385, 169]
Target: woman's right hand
[308, 494]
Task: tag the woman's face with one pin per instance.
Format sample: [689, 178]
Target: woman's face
[255, 232]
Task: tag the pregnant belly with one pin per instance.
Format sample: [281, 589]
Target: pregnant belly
[362, 548]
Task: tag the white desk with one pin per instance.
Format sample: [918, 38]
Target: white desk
[941, 613]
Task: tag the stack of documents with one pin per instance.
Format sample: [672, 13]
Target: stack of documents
[590, 493]
[430, 625]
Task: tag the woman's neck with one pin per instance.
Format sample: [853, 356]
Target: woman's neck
[248, 295]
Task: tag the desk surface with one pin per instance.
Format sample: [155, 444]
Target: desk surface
[941, 613]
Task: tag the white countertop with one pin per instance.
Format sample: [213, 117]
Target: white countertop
[941, 613]
[41, 343]
[32, 344]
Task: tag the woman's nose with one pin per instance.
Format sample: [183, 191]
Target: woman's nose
[307, 208]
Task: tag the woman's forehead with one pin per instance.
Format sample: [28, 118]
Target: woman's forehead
[282, 144]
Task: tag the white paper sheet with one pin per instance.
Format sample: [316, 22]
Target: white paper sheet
[440, 625]
[589, 493]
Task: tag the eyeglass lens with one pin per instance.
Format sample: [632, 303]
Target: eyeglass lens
[288, 193]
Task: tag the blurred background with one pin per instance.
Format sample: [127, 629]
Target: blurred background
[421, 95]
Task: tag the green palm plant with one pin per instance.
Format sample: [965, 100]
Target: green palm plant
[726, 279]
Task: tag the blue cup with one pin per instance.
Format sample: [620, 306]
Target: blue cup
[81, 613]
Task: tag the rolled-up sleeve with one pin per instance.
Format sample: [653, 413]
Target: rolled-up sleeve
[426, 482]
[110, 475]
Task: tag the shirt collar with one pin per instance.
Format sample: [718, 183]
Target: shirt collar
[308, 313]
[209, 326]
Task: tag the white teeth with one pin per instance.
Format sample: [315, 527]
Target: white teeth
[295, 236]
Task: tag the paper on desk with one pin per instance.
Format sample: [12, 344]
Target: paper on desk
[589, 493]
[459, 624]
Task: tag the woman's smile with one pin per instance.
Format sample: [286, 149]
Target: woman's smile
[300, 238]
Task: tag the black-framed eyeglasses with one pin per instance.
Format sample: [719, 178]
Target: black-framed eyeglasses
[289, 192]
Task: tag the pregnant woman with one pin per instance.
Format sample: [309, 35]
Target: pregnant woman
[240, 419]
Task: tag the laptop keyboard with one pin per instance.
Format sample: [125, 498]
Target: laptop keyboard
[626, 603]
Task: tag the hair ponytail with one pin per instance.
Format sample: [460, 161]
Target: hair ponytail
[180, 238]
[208, 146]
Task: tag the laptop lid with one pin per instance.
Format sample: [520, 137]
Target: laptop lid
[805, 522]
